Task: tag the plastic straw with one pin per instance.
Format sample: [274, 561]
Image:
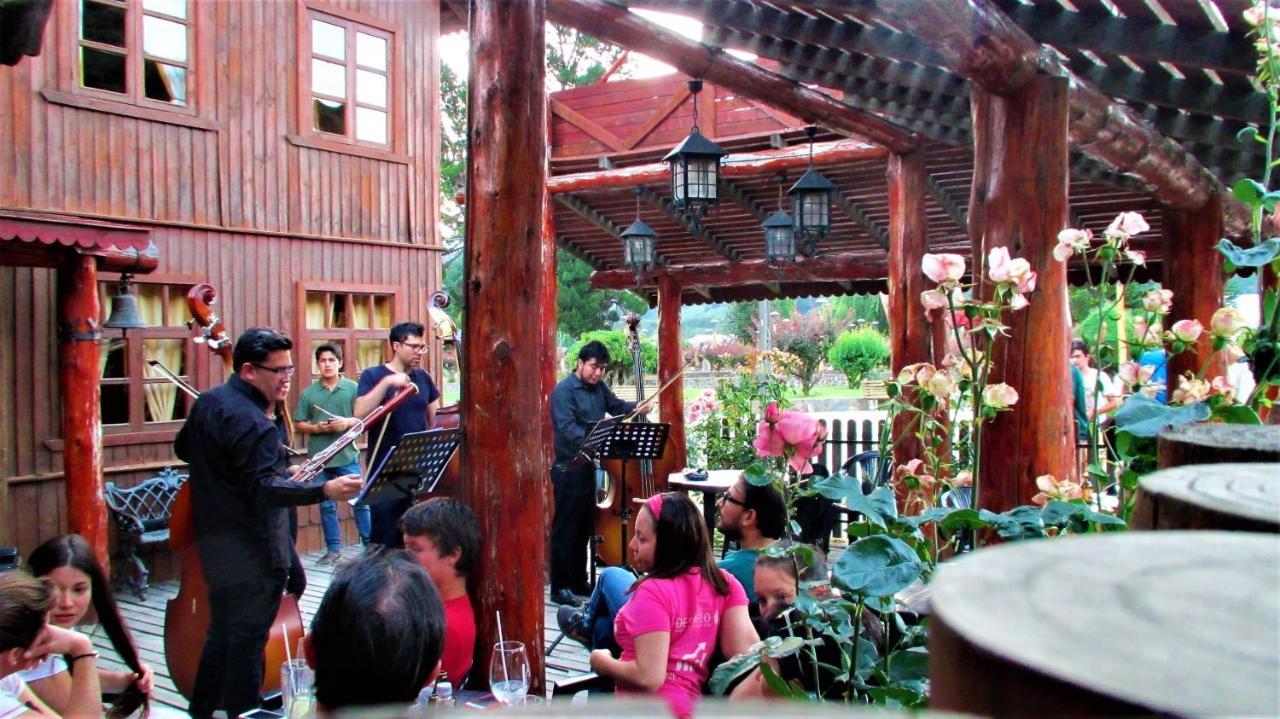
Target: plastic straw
[285, 631]
[501, 642]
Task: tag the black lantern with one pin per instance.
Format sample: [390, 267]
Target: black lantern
[779, 233]
[695, 167]
[124, 308]
[811, 200]
[638, 242]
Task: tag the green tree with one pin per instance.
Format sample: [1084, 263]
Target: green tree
[621, 369]
[453, 152]
[851, 309]
[858, 352]
[574, 59]
[740, 321]
[582, 309]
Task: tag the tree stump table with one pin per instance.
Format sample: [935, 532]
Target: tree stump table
[1238, 497]
[1179, 623]
[1215, 443]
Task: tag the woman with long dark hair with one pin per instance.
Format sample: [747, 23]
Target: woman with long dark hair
[681, 610]
[77, 580]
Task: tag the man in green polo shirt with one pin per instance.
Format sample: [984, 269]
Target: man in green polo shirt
[324, 413]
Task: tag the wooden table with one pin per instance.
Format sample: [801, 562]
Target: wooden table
[1179, 623]
[1237, 497]
[717, 481]
[1214, 443]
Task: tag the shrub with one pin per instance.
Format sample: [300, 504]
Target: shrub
[620, 368]
[858, 352]
[807, 337]
[726, 355]
[726, 423]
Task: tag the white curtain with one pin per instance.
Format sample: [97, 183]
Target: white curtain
[315, 310]
[161, 396]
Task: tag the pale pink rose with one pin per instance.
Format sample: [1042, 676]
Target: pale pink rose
[708, 394]
[1051, 488]
[1063, 251]
[1222, 387]
[1186, 331]
[999, 396]
[1071, 241]
[1019, 270]
[1158, 301]
[1128, 224]
[711, 405]
[1127, 372]
[943, 268]
[1255, 15]
[1226, 322]
[1190, 390]
[1026, 283]
[1018, 301]
[962, 479]
[941, 385]
[934, 299]
[1137, 257]
[998, 264]
[925, 372]
[772, 413]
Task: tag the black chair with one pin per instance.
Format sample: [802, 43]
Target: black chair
[960, 498]
[817, 516]
[868, 467]
[142, 518]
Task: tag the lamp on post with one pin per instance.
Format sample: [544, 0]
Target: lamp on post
[695, 168]
[124, 308]
[779, 233]
[638, 240]
[811, 201]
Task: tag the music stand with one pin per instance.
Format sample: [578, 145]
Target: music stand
[412, 466]
[613, 439]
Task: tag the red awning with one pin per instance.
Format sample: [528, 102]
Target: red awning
[50, 229]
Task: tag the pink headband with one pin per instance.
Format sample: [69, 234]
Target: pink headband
[654, 504]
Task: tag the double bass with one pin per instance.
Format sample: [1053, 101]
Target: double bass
[645, 477]
[186, 616]
[448, 416]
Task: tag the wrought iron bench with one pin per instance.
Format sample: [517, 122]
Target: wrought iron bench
[142, 517]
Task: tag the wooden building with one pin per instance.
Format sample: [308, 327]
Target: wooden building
[284, 152]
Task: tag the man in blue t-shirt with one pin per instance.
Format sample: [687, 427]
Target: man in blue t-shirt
[380, 383]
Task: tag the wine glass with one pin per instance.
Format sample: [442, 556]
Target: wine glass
[509, 672]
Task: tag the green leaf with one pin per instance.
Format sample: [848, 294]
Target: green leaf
[1248, 133]
[877, 566]
[728, 672]
[1057, 512]
[843, 488]
[1235, 414]
[907, 666]
[1018, 523]
[758, 475]
[780, 686]
[1256, 256]
[1142, 416]
[963, 519]
[1249, 191]
[868, 655]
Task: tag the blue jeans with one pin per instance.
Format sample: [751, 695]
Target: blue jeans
[605, 603]
[329, 511]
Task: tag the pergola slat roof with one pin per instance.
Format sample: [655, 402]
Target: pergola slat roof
[1183, 66]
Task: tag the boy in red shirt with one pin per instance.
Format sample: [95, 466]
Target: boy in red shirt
[443, 535]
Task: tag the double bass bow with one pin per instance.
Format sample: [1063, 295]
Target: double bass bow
[645, 477]
[187, 616]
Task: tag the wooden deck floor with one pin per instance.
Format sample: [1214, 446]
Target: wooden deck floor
[146, 620]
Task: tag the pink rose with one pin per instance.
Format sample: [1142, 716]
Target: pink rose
[1158, 301]
[999, 396]
[768, 442]
[1128, 224]
[1018, 301]
[1226, 322]
[934, 299]
[1026, 283]
[1051, 488]
[1186, 331]
[1222, 387]
[943, 268]
[1190, 390]
[1137, 257]
[941, 385]
[962, 479]
[1071, 241]
[772, 413]
[998, 264]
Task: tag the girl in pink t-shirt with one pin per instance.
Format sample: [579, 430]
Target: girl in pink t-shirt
[680, 611]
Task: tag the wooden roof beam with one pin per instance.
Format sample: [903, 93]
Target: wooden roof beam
[664, 206]
[613, 23]
[986, 46]
[845, 267]
[737, 165]
[590, 214]
[1197, 95]
[947, 202]
[858, 215]
[574, 249]
[741, 199]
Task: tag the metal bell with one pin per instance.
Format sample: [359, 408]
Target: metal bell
[124, 310]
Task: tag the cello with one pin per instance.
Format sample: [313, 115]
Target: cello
[186, 616]
[645, 477]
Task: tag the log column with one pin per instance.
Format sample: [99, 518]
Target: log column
[504, 455]
[81, 402]
[1019, 201]
[1193, 270]
[670, 361]
[549, 363]
[908, 242]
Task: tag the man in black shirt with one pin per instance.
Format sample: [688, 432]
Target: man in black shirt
[240, 490]
[577, 403]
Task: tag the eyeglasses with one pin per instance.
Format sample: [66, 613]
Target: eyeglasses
[726, 498]
[280, 371]
[417, 348]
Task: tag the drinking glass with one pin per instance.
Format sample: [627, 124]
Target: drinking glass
[297, 685]
[509, 672]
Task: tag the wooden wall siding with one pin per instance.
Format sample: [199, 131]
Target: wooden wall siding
[256, 278]
[244, 173]
[638, 115]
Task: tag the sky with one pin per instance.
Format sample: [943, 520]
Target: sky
[453, 48]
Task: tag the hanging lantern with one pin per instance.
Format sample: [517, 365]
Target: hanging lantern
[638, 243]
[779, 238]
[811, 200]
[695, 167]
